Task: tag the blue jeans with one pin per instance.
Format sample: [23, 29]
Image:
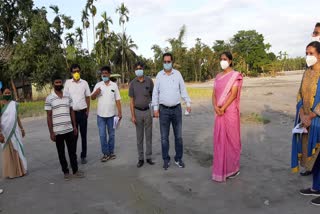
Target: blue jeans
[171, 116]
[107, 147]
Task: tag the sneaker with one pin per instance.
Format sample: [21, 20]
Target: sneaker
[112, 156]
[104, 158]
[1, 191]
[180, 164]
[67, 176]
[84, 161]
[310, 192]
[78, 174]
[316, 201]
[234, 175]
[166, 164]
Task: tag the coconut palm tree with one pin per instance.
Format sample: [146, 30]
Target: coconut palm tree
[69, 38]
[79, 35]
[93, 10]
[102, 34]
[124, 17]
[125, 53]
[86, 24]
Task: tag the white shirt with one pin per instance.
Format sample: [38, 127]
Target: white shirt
[78, 92]
[107, 98]
[169, 89]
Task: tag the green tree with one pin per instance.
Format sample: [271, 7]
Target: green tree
[123, 12]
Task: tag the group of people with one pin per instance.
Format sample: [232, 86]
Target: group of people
[68, 108]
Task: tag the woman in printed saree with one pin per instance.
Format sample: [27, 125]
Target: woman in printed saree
[226, 139]
[308, 118]
[14, 161]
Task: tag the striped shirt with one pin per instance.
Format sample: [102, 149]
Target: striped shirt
[60, 108]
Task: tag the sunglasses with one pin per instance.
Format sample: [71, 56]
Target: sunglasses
[167, 62]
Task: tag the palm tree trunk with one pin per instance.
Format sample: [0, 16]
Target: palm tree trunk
[94, 38]
[87, 39]
[14, 89]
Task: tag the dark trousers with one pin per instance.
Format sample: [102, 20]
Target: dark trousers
[316, 174]
[82, 124]
[171, 116]
[67, 138]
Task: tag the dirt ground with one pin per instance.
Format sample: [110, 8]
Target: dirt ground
[265, 184]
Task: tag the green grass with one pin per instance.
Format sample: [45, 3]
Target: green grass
[36, 108]
[255, 118]
[199, 93]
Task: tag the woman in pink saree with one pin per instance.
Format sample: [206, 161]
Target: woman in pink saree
[226, 133]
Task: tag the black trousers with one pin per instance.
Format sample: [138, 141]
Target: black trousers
[69, 139]
[82, 124]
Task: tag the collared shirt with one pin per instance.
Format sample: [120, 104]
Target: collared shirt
[169, 89]
[78, 91]
[107, 98]
[60, 108]
[141, 92]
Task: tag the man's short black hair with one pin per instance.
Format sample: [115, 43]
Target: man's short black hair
[139, 64]
[317, 24]
[105, 68]
[167, 54]
[74, 66]
[56, 77]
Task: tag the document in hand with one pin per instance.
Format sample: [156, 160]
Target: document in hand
[116, 122]
[299, 129]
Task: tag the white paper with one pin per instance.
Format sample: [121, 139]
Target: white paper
[116, 122]
[299, 129]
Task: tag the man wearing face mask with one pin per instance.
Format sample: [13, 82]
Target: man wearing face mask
[80, 93]
[140, 93]
[62, 126]
[316, 33]
[108, 96]
[169, 89]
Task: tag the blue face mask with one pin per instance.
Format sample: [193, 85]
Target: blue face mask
[139, 73]
[105, 79]
[167, 66]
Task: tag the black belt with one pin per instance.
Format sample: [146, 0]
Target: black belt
[82, 110]
[142, 109]
[169, 107]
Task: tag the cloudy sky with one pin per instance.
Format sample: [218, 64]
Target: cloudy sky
[285, 24]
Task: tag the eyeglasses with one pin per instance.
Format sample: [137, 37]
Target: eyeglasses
[315, 33]
[167, 62]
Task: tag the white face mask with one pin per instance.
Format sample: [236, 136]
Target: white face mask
[311, 60]
[224, 64]
[315, 39]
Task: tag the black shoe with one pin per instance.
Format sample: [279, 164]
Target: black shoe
[140, 163]
[180, 164]
[84, 161]
[310, 192]
[149, 161]
[306, 173]
[316, 201]
[166, 164]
